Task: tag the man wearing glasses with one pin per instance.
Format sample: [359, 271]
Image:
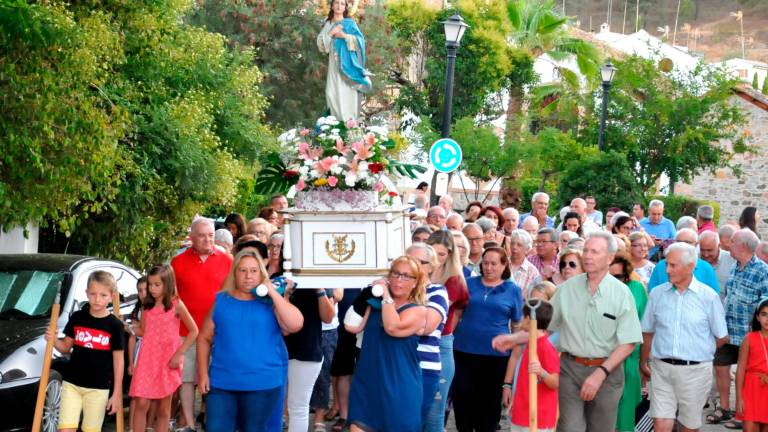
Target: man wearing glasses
[474, 236]
[546, 257]
[539, 207]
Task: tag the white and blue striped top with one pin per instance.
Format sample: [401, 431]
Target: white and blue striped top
[429, 345]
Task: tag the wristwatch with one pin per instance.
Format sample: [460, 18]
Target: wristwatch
[387, 301]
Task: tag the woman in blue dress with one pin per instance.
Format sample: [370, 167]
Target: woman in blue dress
[386, 388]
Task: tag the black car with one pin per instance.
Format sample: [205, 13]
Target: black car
[28, 287]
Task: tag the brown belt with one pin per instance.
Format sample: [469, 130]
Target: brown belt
[588, 362]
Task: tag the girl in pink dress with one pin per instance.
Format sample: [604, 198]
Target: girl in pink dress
[157, 374]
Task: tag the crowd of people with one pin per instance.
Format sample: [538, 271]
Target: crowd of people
[626, 307]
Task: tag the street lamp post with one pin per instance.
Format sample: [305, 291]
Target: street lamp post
[454, 28]
[607, 72]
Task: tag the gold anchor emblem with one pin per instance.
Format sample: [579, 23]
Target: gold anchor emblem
[340, 252]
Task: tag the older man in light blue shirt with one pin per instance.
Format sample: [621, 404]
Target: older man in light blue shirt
[684, 323]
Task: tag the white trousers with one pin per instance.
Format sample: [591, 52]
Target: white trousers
[301, 380]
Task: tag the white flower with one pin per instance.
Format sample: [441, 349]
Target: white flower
[362, 174]
[350, 179]
[337, 169]
[304, 170]
[314, 173]
[324, 127]
[335, 131]
[362, 166]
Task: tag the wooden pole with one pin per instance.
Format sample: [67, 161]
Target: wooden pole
[46, 372]
[120, 416]
[533, 406]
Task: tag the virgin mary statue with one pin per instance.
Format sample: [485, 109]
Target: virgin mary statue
[342, 40]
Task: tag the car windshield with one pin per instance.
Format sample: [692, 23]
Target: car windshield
[27, 293]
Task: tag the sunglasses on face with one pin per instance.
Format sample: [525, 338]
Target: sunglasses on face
[571, 264]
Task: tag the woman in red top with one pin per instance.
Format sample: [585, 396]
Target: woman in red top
[448, 272]
[752, 374]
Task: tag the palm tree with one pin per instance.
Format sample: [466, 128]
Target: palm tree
[538, 29]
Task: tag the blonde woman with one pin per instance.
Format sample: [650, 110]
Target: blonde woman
[244, 380]
[638, 255]
[449, 272]
[462, 246]
[386, 390]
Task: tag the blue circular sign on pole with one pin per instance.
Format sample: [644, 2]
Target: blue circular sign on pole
[445, 155]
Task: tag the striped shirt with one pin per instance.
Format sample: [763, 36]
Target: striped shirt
[744, 290]
[429, 345]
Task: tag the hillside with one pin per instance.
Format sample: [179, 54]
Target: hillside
[705, 26]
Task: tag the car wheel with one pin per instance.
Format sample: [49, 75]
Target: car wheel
[50, 421]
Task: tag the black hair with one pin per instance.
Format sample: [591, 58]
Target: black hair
[423, 186]
[259, 246]
[747, 219]
[755, 323]
[137, 308]
[543, 313]
[330, 11]
[237, 220]
[621, 220]
[419, 230]
[572, 215]
[507, 273]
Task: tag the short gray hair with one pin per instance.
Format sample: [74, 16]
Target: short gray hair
[419, 246]
[570, 234]
[485, 224]
[710, 235]
[509, 210]
[539, 194]
[688, 253]
[199, 221]
[656, 203]
[610, 240]
[522, 235]
[617, 215]
[686, 222]
[746, 237]
[454, 215]
[688, 231]
[727, 230]
[548, 231]
[223, 235]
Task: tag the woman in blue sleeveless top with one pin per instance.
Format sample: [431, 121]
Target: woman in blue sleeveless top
[249, 360]
[386, 388]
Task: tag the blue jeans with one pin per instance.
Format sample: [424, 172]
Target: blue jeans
[248, 411]
[435, 419]
[430, 381]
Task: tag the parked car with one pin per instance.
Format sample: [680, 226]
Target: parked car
[28, 287]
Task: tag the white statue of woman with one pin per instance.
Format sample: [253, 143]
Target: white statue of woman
[342, 40]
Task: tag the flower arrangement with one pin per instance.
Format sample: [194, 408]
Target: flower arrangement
[336, 155]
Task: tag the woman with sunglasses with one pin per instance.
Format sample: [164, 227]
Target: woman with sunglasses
[386, 390]
[621, 269]
[495, 306]
[570, 265]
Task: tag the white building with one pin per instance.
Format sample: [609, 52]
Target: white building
[745, 70]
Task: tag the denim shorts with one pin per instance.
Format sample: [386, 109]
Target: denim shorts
[246, 411]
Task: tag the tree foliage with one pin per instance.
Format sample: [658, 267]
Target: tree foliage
[283, 34]
[141, 122]
[668, 124]
[606, 176]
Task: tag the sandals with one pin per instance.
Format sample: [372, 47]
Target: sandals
[331, 414]
[320, 427]
[340, 425]
[733, 424]
[719, 415]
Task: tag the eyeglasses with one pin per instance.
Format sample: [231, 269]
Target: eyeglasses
[425, 262]
[475, 239]
[571, 264]
[403, 276]
[542, 242]
[276, 247]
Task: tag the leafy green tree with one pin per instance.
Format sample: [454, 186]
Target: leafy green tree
[606, 176]
[283, 34]
[754, 81]
[764, 90]
[142, 121]
[668, 124]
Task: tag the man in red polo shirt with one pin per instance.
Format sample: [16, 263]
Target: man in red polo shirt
[200, 271]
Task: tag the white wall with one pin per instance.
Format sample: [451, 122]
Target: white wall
[14, 241]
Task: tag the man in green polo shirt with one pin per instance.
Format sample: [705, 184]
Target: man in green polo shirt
[598, 324]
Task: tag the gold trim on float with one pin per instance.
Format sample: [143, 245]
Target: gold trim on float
[339, 272]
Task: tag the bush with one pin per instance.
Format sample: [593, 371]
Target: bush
[676, 206]
[606, 176]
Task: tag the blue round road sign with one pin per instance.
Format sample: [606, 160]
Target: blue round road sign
[445, 155]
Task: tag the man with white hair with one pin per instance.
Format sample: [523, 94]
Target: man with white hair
[511, 220]
[579, 206]
[200, 270]
[720, 260]
[531, 226]
[436, 217]
[746, 287]
[683, 324]
[687, 222]
[657, 226]
[725, 233]
[703, 271]
[598, 324]
[539, 207]
[454, 222]
[446, 202]
[524, 273]
[762, 251]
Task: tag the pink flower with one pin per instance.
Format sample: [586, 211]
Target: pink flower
[340, 147]
[370, 139]
[300, 185]
[324, 165]
[304, 132]
[303, 147]
[362, 151]
[332, 180]
[378, 186]
[351, 123]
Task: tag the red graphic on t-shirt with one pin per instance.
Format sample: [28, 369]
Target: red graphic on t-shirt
[92, 338]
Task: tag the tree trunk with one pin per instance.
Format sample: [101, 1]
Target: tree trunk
[514, 114]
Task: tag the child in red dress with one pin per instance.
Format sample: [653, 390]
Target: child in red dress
[752, 374]
[547, 368]
[158, 370]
